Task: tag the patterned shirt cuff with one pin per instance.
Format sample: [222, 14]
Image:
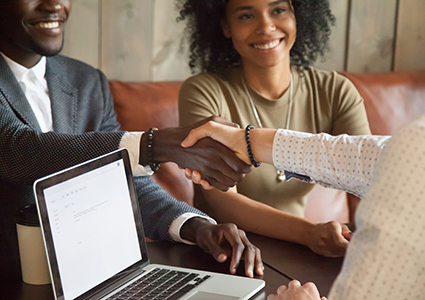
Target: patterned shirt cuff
[177, 224]
[131, 141]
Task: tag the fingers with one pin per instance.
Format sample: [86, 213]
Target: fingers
[338, 237]
[252, 257]
[215, 161]
[197, 134]
[188, 174]
[294, 284]
[281, 289]
[217, 243]
[346, 232]
[297, 291]
[220, 120]
[328, 240]
[205, 185]
[233, 238]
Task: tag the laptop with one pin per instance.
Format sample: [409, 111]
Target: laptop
[95, 244]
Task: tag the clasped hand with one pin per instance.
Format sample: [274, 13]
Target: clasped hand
[296, 291]
[218, 165]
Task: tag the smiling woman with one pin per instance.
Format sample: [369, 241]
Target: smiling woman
[254, 57]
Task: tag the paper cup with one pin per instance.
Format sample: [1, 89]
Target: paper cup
[31, 247]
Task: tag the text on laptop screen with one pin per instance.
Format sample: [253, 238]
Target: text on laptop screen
[87, 216]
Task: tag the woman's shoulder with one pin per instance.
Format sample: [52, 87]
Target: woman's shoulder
[325, 78]
[207, 80]
[319, 74]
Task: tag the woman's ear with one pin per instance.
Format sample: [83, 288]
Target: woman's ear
[226, 29]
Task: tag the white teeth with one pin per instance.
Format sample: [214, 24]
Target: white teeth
[267, 46]
[48, 25]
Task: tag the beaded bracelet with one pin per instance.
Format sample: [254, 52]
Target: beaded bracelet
[153, 165]
[248, 147]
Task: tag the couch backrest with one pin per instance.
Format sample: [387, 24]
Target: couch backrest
[391, 100]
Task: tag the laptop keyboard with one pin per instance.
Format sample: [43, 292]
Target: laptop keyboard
[160, 284]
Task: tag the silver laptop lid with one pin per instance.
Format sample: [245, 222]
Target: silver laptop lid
[87, 220]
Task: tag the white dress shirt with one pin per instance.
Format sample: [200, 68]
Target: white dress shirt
[34, 85]
[386, 255]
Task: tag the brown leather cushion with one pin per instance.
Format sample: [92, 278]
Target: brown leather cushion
[141, 105]
[391, 99]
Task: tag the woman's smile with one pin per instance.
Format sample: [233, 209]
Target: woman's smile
[267, 46]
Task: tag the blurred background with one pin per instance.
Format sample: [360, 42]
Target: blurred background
[140, 40]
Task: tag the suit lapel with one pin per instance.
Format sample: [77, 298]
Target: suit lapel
[63, 97]
[14, 95]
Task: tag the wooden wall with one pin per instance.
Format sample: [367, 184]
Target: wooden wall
[139, 40]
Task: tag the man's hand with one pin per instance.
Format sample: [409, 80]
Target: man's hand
[296, 291]
[217, 164]
[224, 241]
[329, 239]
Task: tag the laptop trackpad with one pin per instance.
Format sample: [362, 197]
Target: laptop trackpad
[209, 296]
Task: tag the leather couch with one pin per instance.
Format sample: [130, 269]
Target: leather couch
[391, 100]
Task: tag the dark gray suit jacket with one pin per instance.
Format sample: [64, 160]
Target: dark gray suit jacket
[85, 126]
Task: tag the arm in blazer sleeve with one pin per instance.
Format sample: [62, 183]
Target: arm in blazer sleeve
[158, 208]
[84, 129]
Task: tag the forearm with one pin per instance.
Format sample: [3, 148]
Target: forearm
[256, 217]
[262, 144]
[27, 154]
[342, 162]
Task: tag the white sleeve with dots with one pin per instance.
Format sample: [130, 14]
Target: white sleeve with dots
[386, 256]
[342, 162]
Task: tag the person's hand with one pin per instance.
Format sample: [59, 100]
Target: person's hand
[296, 291]
[217, 164]
[329, 239]
[230, 136]
[224, 241]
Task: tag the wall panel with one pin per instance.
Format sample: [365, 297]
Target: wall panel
[371, 35]
[82, 32]
[137, 40]
[170, 60]
[410, 40]
[126, 39]
[334, 58]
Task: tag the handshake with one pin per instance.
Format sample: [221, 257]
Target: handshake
[212, 151]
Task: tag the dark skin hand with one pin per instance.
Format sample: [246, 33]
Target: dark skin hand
[218, 165]
[223, 241]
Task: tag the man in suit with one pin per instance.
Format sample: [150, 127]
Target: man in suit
[56, 112]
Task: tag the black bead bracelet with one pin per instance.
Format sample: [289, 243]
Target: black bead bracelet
[153, 165]
[248, 146]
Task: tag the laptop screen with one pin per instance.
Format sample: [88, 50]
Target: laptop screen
[92, 226]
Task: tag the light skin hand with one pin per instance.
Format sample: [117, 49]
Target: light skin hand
[234, 139]
[329, 239]
[296, 291]
[223, 241]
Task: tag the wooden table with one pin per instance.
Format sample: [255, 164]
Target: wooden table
[298, 262]
[161, 253]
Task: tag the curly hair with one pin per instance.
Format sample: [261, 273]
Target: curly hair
[211, 51]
